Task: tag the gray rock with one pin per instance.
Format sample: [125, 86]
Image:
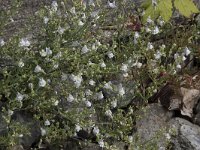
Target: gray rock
[153, 121]
[187, 135]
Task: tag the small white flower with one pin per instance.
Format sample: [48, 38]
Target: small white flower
[46, 20]
[112, 4]
[94, 47]
[139, 65]
[125, 74]
[2, 43]
[183, 58]
[101, 143]
[43, 132]
[94, 14]
[124, 67]
[161, 22]
[92, 82]
[149, 20]
[176, 55]
[21, 135]
[77, 128]
[80, 23]
[178, 66]
[42, 82]
[109, 113]
[88, 103]
[155, 30]
[54, 6]
[10, 112]
[108, 85]
[114, 104]
[38, 69]
[61, 30]
[167, 135]
[136, 35]
[130, 138]
[149, 46]
[110, 55]
[88, 92]
[95, 130]
[98, 43]
[30, 85]
[100, 95]
[103, 65]
[157, 55]
[121, 90]
[147, 30]
[21, 63]
[187, 51]
[48, 51]
[70, 98]
[56, 103]
[73, 10]
[43, 53]
[47, 123]
[77, 80]
[24, 42]
[20, 96]
[84, 49]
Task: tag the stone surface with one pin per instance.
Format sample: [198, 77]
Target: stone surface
[187, 135]
[153, 121]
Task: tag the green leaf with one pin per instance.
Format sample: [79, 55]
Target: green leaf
[163, 9]
[185, 7]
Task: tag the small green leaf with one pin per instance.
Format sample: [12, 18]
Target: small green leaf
[185, 7]
[165, 8]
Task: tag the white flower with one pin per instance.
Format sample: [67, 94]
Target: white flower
[70, 98]
[183, 58]
[112, 4]
[109, 113]
[54, 6]
[61, 30]
[84, 49]
[91, 3]
[43, 53]
[92, 82]
[147, 30]
[103, 65]
[48, 51]
[46, 20]
[38, 69]
[19, 97]
[56, 103]
[101, 143]
[30, 85]
[43, 132]
[100, 95]
[24, 42]
[73, 10]
[94, 47]
[80, 23]
[2, 43]
[178, 66]
[136, 35]
[77, 128]
[149, 45]
[176, 55]
[21, 63]
[88, 103]
[124, 67]
[10, 112]
[155, 30]
[139, 65]
[187, 51]
[77, 80]
[114, 103]
[42, 82]
[125, 74]
[94, 14]
[47, 123]
[121, 90]
[149, 20]
[110, 55]
[95, 130]
[108, 85]
[157, 55]
[130, 138]
[167, 135]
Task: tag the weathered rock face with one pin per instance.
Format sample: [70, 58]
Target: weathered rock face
[187, 135]
[153, 121]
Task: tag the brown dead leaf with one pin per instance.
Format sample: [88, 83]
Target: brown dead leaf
[190, 99]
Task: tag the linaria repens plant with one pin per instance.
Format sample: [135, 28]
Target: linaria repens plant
[82, 68]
